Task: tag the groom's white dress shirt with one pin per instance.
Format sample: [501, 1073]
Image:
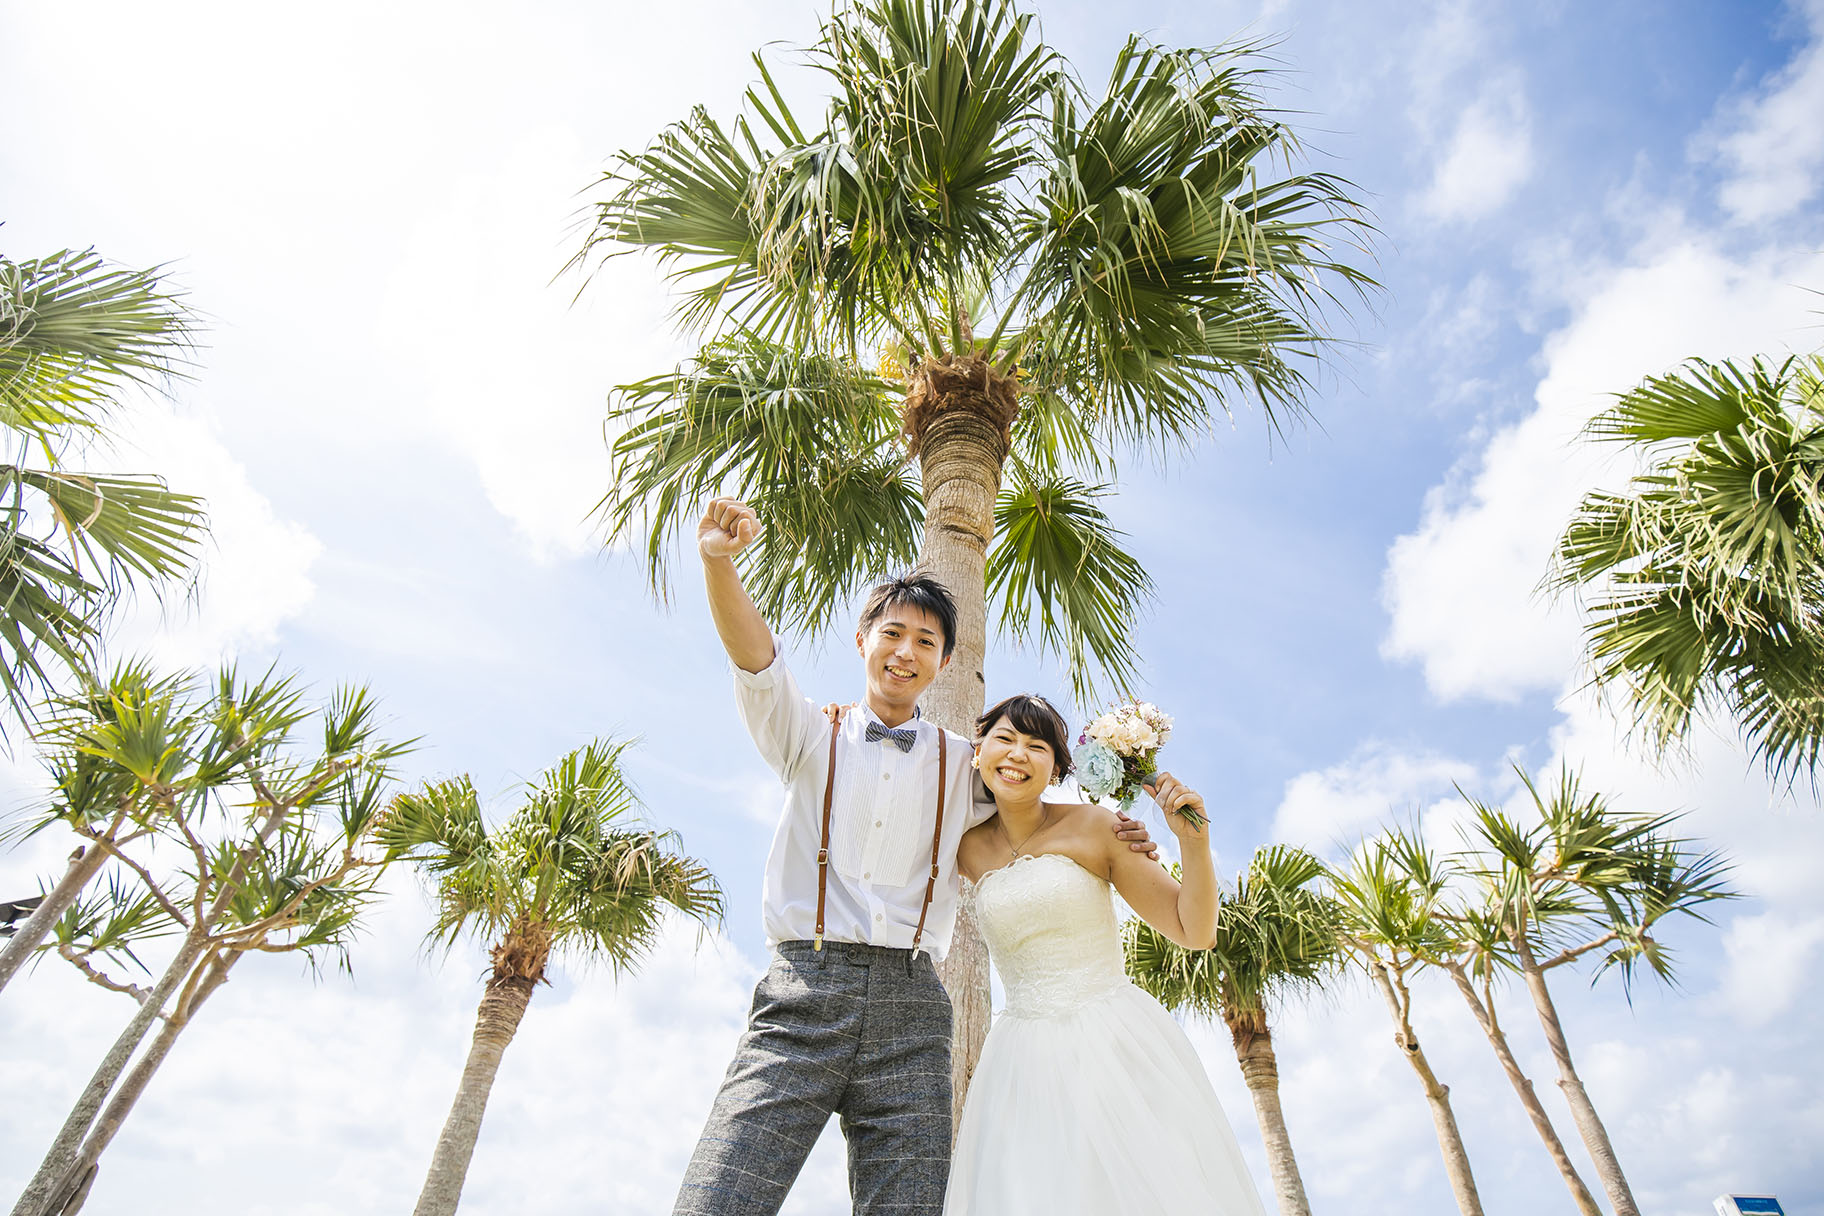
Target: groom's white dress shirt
[881, 820]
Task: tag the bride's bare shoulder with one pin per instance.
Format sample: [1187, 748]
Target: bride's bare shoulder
[976, 851]
[1085, 815]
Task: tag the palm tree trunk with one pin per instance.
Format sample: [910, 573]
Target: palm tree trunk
[35, 1201]
[69, 1197]
[1589, 1124]
[1437, 1094]
[1260, 1069]
[84, 864]
[63, 1150]
[1523, 1087]
[961, 449]
[502, 1007]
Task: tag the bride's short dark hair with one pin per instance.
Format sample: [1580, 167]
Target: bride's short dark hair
[1034, 716]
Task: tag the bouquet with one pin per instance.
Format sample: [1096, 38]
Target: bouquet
[1119, 750]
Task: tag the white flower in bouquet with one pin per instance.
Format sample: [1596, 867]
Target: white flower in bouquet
[1119, 752]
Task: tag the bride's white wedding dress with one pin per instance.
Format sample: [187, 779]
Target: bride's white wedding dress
[1088, 1098]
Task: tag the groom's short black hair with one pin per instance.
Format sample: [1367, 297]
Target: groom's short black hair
[919, 590]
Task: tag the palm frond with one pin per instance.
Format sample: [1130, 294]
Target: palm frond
[1168, 265]
[809, 441]
[74, 331]
[570, 869]
[1390, 895]
[936, 105]
[1063, 579]
[112, 922]
[129, 523]
[1704, 578]
[439, 828]
[48, 630]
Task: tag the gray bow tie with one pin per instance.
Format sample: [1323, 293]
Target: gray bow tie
[902, 737]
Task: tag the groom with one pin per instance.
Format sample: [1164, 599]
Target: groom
[859, 901]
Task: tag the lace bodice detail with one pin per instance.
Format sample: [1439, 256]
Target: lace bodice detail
[1050, 929]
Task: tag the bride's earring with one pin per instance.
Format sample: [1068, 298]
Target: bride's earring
[975, 761]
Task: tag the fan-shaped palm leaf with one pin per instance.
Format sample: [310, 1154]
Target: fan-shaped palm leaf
[807, 440]
[73, 332]
[1062, 578]
[1704, 579]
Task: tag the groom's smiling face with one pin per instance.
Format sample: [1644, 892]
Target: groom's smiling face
[903, 652]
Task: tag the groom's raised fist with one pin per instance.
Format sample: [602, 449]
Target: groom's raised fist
[729, 526]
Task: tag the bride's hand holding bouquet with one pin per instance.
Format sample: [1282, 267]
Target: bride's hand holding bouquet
[1183, 805]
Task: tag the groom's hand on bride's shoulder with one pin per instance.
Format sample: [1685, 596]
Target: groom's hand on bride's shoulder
[1136, 835]
[728, 526]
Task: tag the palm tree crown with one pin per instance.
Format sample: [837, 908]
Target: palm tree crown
[1705, 576]
[569, 869]
[976, 263]
[1275, 934]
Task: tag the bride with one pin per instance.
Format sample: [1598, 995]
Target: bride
[1081, 1064]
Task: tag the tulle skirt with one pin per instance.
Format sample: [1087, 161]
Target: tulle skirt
[1102, 1111]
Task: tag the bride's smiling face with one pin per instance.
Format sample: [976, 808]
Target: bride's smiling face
[1014, 763]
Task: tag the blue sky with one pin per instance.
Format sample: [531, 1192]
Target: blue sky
[397, 420]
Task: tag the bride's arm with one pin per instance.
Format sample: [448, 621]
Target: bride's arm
[1184, 912]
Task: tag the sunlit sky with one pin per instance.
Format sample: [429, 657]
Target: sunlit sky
[397, 419]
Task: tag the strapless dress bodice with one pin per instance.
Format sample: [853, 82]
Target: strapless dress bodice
[1050, 929]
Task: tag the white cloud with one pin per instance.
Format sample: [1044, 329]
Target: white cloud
[255, 567]
[1461, 588]
[1488, 156]
[379, 250]
[517, 372]
[1770, 143]
[1769, 956]
[1468, 109]
[1378, 785]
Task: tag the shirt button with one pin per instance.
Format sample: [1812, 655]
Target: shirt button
[878, 916]
[886, 776]
[877, 823]
[866, 875]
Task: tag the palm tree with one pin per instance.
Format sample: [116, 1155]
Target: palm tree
[1704, 579]
[1391, 928]
[568, 871]
[75, 335]
[1583, 879]
[304, 892]
[102, 802]
[1475, 961]
[1275, 935]
[931, 320]
[226, 751]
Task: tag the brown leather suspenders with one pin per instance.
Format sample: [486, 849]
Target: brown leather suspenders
[943, 779]
[823, 844]
[937, 835]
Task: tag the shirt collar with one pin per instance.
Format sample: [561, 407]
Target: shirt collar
[916, 721]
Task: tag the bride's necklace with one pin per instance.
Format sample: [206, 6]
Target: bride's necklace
[1044, 819]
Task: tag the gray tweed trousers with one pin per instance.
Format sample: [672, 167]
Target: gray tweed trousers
[858, 1031]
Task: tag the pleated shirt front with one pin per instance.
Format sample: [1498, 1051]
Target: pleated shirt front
[881, 820]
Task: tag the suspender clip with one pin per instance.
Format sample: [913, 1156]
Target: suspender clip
[817, 942]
